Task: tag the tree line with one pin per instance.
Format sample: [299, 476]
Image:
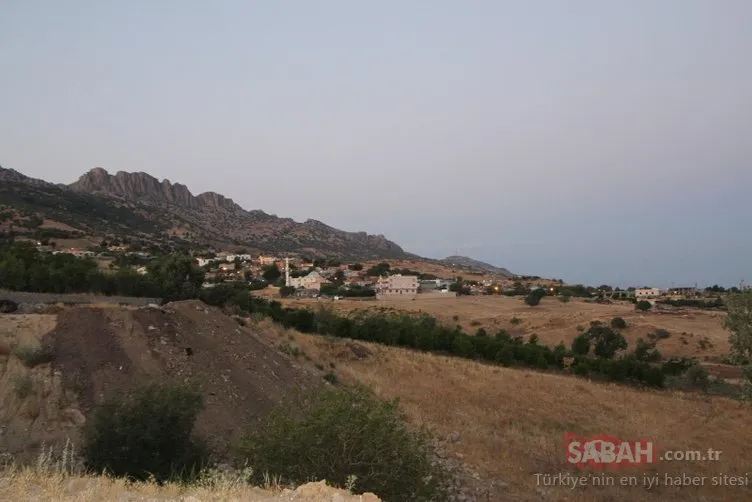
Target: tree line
[24, 268]
[593, 354]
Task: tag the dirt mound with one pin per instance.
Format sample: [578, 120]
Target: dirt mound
[99, 350]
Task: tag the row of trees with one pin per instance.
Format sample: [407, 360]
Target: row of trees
[601, 352]
[23, 268]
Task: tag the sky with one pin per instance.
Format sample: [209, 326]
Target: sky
[595, 142]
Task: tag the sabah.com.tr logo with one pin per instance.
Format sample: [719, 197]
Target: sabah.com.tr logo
[607, 452]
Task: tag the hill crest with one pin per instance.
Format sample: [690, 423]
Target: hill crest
[138, 204]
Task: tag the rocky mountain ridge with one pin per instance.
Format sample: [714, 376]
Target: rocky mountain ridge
[100, 202]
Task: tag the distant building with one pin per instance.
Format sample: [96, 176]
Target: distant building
[267, 260]
[313, 280]
[645, 293]
[428, 285]
[202, 262]
[688, 291]
[397, 286]
[226, 267]
[306, 293]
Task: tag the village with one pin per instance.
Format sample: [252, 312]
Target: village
[294, 275]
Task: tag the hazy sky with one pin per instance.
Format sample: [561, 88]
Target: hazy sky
[593, 141]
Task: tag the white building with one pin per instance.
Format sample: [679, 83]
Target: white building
[267, 260]
[311, 281]
[645, 293]
[397, 286]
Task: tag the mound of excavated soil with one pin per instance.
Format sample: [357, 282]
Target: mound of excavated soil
[100, 350]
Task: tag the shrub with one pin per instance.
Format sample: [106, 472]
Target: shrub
[146, 434]
[618, 323]
[697, 376]
[643, 305]
[581, 345]
[515, 320]
[288, 349]
[346, 434]
[34, 356]
[662, 334]
[677, 365]
[8, 306]
[331, 377]
[23, 387]
[535, 296]
[607, 341]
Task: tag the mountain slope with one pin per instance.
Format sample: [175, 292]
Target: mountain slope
[464, 261]
[99, 202]
[88, 213]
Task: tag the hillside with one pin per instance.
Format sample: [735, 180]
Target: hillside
[496, 427]
[137, 204]
[469, 263]
[102, 349]
[502, 426]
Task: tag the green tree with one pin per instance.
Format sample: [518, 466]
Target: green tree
[643, 305]
[607, 342]
[581, 345]
[739, 322]
[175, 277]
[535, 296]
[378, 270]
[271, 273]
[147, 433]
[286, 291]
[618, 323]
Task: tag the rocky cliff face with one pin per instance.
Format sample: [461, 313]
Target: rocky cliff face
[144, 188]
[218, 218]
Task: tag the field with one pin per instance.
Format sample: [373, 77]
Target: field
[506, 425]
[498, 426]
[694, 333]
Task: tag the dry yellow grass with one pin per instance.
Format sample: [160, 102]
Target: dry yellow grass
[511, 422]
[554, 321]
[58, 486]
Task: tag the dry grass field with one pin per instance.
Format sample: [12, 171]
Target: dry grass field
[694, 333]
[57, 486]
[508, 424]
[504, 425]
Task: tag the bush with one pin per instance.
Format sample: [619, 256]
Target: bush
[346, 434]
[535, 296]
[697, 376]
[34, 356]
[607, 342]
[677, 365]
[145, 434]
[331, 377]
[662, 334]
[23, 387]
[8, 306]
[581, 345]
[643, 305]
[618, 323]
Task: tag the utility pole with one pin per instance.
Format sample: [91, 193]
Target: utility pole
[287, 271]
